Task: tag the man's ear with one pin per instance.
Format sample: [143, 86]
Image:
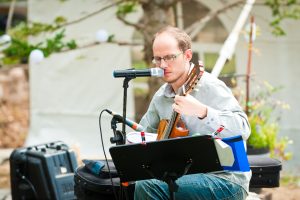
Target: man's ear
[189, 54]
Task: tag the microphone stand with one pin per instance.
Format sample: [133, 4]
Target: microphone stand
[118, 137]
[125, 86]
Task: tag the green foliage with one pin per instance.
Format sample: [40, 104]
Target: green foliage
[5, 1]
[281, 10]
[210, 60]
[71, 44]
[60, 20]
[140, 64]
[126, 7]
[23, 29]
[110, 38]
[54, 45]
[263, 134]
[19, 50]
[289, 180]
[264, 116]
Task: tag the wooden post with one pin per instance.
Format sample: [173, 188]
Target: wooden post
[248, 73]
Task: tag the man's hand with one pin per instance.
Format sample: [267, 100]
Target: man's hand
[188, 105]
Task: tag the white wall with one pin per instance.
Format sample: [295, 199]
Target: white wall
[68, 90]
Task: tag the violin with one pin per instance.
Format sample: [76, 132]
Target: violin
[175, 127]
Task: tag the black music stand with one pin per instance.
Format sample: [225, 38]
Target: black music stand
[166, 160]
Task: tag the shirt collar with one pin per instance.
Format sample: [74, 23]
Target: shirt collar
[169, 92]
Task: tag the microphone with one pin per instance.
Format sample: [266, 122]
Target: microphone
[131, 124]
[133, 73]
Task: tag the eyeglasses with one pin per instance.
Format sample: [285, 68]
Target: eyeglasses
[168, 58]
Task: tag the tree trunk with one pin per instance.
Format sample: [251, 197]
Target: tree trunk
[157, 14]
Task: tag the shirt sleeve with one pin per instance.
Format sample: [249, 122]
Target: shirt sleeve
[151, 119]
[224, 109]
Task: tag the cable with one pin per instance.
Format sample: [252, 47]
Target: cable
[109, 172]
[30, 185]
[24, 178]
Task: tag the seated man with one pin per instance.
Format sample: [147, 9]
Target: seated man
[208, 106]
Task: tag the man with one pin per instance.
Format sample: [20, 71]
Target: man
[208, 106]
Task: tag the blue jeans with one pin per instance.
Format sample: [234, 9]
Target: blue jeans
[195, 186]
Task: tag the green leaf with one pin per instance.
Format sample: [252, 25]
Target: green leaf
[60, 20]
[126, 8]
[110, 38]
[278, 31]
[72, 44]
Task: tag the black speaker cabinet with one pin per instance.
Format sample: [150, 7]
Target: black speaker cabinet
[265, 171]
[44, 171]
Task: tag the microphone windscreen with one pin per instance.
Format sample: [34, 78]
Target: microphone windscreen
[158, 72]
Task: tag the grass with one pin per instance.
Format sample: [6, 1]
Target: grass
[289, 180]
[140, 92]
[210, 60]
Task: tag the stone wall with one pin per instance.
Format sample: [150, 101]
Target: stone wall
[14, 106]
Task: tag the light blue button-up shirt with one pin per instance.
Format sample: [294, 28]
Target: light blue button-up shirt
[222, 109]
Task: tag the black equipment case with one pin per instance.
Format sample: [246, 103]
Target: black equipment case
[44, 171]
[265, 171]
[89, 186]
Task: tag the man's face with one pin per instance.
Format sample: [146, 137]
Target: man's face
[175, 62]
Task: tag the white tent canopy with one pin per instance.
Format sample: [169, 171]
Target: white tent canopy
[68, 90]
